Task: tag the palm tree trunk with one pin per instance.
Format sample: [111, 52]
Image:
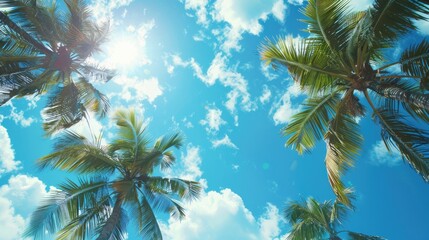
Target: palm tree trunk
[393, 92]
[8, 22]
[112, 222]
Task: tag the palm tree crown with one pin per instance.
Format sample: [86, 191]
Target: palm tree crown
[314, 220]
[344, 55]
[45, 50]
[120, 177]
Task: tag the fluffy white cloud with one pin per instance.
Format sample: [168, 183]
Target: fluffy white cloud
[18, 116]
[360, 5]
[296, 2]
[423, 26]
[223, 215]
[102, 10]
[136, 89]
[284, 109]
[7, 154]
[225, 141]
[200, 8]
[18, 198]
[191, 162]
[11, 222]
[244, 16]
[219, 71]
[266, 70]
[381, 156]
[213, 120]
[266, 95]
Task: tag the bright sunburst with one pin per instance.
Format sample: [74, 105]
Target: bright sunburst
[123, 53]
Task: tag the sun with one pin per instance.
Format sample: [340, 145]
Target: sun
[124, 53]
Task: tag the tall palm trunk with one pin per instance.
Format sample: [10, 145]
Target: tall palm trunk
[8, 22]
[394, 92]
[112, 222]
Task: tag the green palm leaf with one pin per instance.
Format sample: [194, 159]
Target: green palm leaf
[57, 208]
[307, 65]
[393, 18]
[311, 123]
[343, 144]
[409, 140]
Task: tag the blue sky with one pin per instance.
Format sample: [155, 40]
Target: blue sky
[193, 66]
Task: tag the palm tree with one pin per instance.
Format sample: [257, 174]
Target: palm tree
[314, 220]
[345, 55]
[120, 180]
[45, 50]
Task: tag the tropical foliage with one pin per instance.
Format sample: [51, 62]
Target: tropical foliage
[343, 61]
[44, 50]
[119, 182]
[313, 220]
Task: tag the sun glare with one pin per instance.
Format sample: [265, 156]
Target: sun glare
[124, 53]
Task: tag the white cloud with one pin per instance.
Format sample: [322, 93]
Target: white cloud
[18, 199]
[381, 156]
[244, 16]
[222, 215]
[219, 71]
[200, 8]
[136, 89]
[266, 70]
[266, 95]
[296, 2]
[18, 116]
[213, 120]
[89, 127]
[284, 109]
[191, 163]
[360, 5]
[13, 223]
[102, 10]
[423, 26]
[7, 154]
[225, 141]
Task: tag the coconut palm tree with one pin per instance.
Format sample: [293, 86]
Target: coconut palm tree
[344, 61]
[44, 50]
[313, 220]
[120, 182]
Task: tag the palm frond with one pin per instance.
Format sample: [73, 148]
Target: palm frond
[397, 93]
[148, 225]
[311, 123]
[83, 226]
[93, 99]
[412, 142]
[308, 66]
[393, 91]
[74, 154]
[130, 141]
[343, 143]
[360, 236]
[188, 190]
[162, 201]
[12, 78]
[308, 220]
[97, 73]
[391, 19]
[58, 207]
[115, 225]
[64, 109]
[415, 62]
[328, 26]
